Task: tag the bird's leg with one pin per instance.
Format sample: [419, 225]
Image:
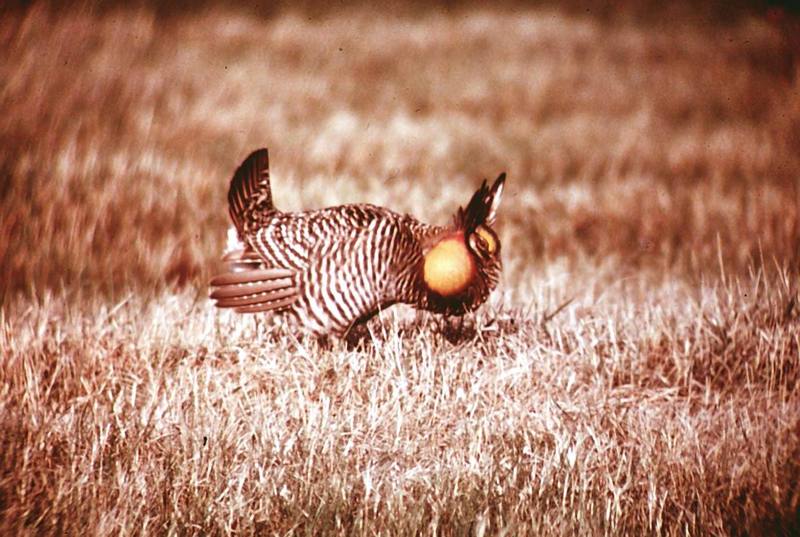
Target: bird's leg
[324, 342]
[357, 334]
[452, 328]
[358, 330]
[459, 325]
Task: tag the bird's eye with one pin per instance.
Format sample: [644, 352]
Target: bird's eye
[479, 245]
[489, 243]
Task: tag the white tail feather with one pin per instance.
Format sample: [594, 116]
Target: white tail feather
[234, 243]
[238, 255]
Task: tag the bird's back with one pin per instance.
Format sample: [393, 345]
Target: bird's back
[348, 261]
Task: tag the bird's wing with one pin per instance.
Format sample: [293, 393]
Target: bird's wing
[266, 270]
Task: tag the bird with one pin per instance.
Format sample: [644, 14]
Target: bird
[337, 267]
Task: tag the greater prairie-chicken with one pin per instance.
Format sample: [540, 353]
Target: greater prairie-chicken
[335, 268]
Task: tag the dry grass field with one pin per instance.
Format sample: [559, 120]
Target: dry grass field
[635, 373]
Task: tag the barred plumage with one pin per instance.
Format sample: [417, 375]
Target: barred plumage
[336, 267]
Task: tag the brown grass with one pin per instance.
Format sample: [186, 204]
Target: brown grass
[636, 373]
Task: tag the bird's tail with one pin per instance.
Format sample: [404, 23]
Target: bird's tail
[250, 195]
[249, 286]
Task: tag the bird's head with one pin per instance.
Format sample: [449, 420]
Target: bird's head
[462, 265]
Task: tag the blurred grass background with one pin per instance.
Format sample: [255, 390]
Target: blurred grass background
[661, 137]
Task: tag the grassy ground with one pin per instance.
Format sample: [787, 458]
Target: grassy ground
[636, 372]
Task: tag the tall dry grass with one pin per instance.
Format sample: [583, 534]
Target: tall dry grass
[636, 373]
